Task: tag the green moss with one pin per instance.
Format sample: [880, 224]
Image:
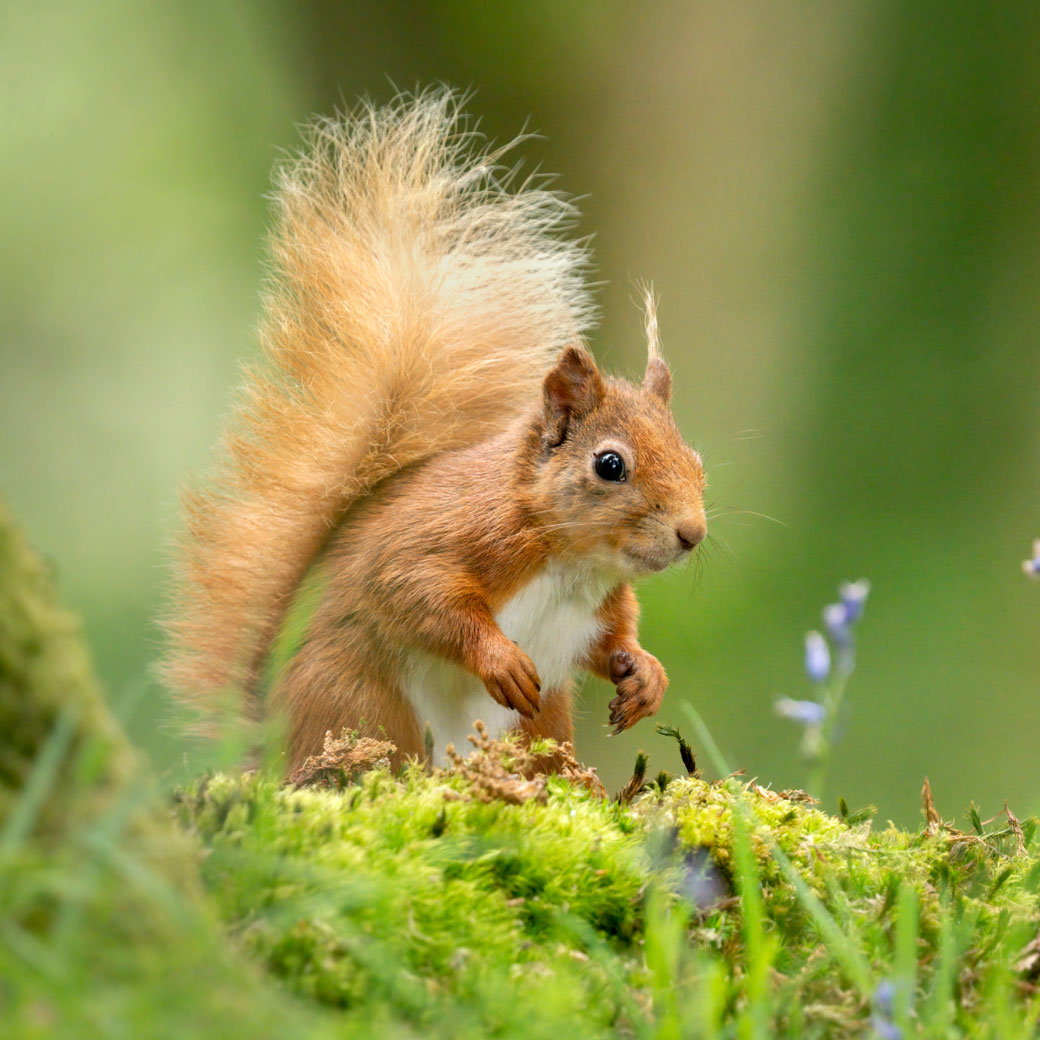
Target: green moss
[401, 884]
[406, 905]
[45, 676]
[104, 927]
[404, 896]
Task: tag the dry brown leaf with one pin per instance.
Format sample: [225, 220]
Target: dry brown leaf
[1016, 829]
[933, 820]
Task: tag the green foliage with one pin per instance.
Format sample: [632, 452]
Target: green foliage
[412, 905]
[841, 218]
[404, 900]
[407, 893]
[49, 699]
[104, 928]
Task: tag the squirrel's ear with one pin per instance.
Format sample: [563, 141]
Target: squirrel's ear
[572, 389]
[658, 380]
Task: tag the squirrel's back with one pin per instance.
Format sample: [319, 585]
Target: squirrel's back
[415, 303]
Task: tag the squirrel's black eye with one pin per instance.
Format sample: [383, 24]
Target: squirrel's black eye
[610, 466]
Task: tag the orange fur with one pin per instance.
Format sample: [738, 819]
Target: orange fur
[411, 422]
[427, 560]
[415, 302]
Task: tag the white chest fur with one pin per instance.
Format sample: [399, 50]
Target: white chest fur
[553, 619]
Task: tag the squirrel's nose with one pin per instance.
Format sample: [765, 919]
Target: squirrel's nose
[691, 533]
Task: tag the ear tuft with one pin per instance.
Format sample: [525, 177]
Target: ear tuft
[658, 380]
[572, 389]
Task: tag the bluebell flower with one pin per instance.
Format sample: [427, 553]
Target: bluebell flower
[836, 621]
[883, 1015]
[808, 713]
[811, 715]
[703, 884]
[853, 598]
[1032, 567]
[817, 657]
[885, 1029]
[885, 997]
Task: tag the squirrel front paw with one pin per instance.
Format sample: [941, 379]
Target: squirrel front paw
[512, 680]
[641, 681]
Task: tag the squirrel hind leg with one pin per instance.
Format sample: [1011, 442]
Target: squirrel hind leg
[371, 705]
[553, 721]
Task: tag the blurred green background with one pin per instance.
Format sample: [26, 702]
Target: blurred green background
[839, 205]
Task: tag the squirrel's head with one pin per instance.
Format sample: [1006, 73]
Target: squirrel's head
[616, 482]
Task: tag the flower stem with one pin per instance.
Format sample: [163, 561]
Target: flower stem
[833, 696]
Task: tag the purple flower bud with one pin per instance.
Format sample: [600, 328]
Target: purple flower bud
[1032, 567]
[884, 1029]
[817, 657]
[836, 620]
[884, 997]
[808, 713]
[703, 883]
[884, 1012]
[853, 598]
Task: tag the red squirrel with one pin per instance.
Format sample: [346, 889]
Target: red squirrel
[429, 425]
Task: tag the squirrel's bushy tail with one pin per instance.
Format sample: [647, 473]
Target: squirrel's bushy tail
[416, 301]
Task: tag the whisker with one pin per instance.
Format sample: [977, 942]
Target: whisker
[568, 523]
[731, 511]
[761, 516]
[701, 566]
[717, 540]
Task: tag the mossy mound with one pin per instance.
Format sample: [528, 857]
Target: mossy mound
[105, 930]
[700, 907]
[471, 902]
[48, 694]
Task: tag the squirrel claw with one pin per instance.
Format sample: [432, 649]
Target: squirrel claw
[641, 682]
[515, 684]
